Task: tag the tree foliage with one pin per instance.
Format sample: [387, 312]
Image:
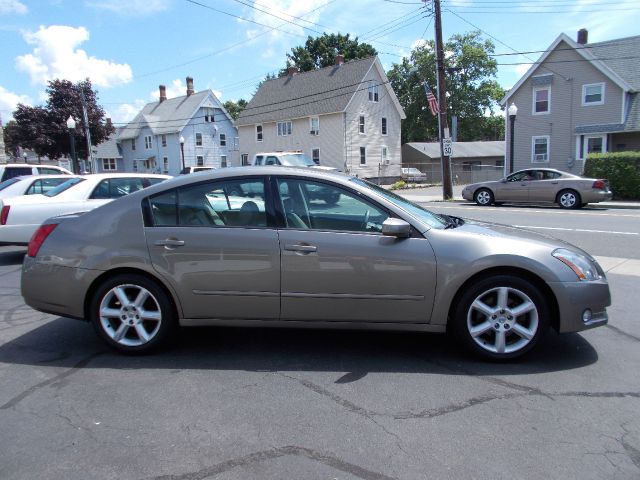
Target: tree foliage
[43, 129]
[472, 90]
[321, 52]
[235, 108]
[12, 139]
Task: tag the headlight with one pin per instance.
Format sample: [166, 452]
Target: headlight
[584, 268]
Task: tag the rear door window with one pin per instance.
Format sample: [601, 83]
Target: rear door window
[10, 172]
[117, 187]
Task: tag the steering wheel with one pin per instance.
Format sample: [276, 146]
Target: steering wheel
[365, 222]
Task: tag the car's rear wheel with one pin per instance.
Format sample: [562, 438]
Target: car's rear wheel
[133, 314]
[501, 317]
[484, 197]
[569, 199]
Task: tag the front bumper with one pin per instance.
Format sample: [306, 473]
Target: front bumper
[574, 298]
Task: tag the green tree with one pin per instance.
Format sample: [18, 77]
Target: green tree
[12, 139]
[321, 52]
[472, 91]
[44, 129]
[235, 108]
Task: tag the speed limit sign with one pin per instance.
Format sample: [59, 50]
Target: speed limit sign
[447, 146]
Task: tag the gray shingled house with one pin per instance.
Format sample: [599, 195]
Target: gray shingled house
[151, 141]
[345, 116]
[578, 98]
[107, 156]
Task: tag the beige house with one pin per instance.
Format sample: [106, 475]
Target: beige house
[344, 116]
[578, 98]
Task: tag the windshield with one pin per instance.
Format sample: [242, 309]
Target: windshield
[64, 186]
[11, 181]
[413, 209]
[296, 160]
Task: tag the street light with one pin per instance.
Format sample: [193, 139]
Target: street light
[71, 125]
[512, 111]
[24, 155]
[182, 150]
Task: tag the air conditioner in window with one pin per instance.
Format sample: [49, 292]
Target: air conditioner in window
[314, 132]
[386, 162]
[541, 157]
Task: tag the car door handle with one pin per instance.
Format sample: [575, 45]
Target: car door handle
[301, 248]
[169, 242]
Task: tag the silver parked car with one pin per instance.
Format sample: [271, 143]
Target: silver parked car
[251, 246]
[540, 185]
[412, 174]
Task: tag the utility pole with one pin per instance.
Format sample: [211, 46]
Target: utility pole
[445, 153]
[87, 133]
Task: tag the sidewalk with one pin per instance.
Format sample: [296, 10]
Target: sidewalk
[434, 194]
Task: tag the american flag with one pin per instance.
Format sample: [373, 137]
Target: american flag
[434, 108]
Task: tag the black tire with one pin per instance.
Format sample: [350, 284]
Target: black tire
[135, 327]
[483, 197]
[501, 333]
[569, 199]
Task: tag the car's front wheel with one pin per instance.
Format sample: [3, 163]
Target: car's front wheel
[501, 317]
[132, 313]
[483, 197]
[569, 199]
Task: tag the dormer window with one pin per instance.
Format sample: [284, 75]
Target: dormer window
[592, 94]
[373, 93]
[541, 100]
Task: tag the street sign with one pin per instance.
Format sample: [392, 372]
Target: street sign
[447, 146]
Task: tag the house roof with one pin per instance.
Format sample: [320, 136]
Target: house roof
[109, 148]
[169, 116]
[462, 149]
[322, 91]
[610, 57]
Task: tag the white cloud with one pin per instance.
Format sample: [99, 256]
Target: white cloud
[9, 101]
[12, 6]
[125, 112]
[287, 10]
[131, 7]
[55, 55]
[177, 89]
[522, 69]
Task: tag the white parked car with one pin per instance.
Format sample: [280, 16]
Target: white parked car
[11, 170]
[21, 216]
[31, 184]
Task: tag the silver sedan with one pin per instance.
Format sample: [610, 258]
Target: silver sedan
[540, 185]
[253, 247]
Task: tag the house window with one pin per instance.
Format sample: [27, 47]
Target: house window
[147, 142]
[245, 158]
[284, 129]
[383, 128]
[593, 94]
[315, 156]
[314, 125]
[540, 149]
[593, 144]
[223, 161]
[165, 164]
[258, 133]
[223, 140]
[164, 140]
[133, 144]
[384, 155]
[198, 139]
[109, 164]
[200, 161]
[361, 124]
[373, 93]
[363, 156]
[541, 100]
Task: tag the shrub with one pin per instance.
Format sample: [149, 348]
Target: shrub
[398, 185]
[622, 169]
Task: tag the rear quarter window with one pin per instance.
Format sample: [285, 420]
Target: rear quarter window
[10, 172]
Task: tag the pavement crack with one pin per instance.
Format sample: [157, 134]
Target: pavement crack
[81, 364]
[266, 455]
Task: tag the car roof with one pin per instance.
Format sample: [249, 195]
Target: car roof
[125, 175]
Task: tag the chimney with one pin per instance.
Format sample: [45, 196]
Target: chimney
[583, 36]
[291, 71]
[163, 93]
[109, 125]
[190, 86]
[339, 59]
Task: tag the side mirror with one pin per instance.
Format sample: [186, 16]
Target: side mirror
[395, 227]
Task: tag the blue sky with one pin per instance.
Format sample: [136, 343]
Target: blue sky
[129, 47]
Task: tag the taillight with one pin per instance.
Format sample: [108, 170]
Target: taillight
[4, 214]
[599, 184]
[38, 238]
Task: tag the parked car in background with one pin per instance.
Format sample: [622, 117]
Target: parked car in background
[197, 255]
[413, 175]
[31, 184]
[11, 170]
[187, 170]
[21, 216]
[540, 185]
[287, 159]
